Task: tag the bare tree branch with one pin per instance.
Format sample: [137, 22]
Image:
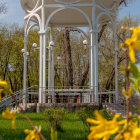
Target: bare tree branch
[3, 7]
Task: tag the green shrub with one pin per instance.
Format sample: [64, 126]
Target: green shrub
[1, 110]
[105, 114]
[85, 113]
[54, 117]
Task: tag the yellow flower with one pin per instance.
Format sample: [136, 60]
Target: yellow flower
[32, 134]
[104, 128]
[133, 43]
[133, 133]
[53, 134]
[3, 84]
[130, 131]
[10, 115]
[1, 90]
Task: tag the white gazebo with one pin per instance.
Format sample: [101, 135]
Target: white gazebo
[47, 14]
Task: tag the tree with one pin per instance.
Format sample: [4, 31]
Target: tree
[3, 7]
[107, 67]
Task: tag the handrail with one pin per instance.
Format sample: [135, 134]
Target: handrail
[67, 90]
[9, 101]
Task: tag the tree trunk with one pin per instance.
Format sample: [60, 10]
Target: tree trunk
[69, 68]
[84, 76]
[112, 74]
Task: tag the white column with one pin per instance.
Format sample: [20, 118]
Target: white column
[96, 66]
[25, 72]
[116, 62]
[44, 68]
[41, 70]
[52, 76]
[52, 67]
[49, 68]
[93, 53]
[92, 74]
[95, 43]
[50, 63]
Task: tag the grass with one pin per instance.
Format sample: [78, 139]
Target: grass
[72, 127]
[137, 111]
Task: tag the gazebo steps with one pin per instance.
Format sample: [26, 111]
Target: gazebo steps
[115, 108]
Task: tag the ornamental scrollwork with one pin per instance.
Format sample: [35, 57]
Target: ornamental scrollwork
[68, 1]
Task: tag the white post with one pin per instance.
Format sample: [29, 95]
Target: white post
[52, 69]
[49, 72]
[93, 53]
[92, 74]
[96, 66]
[116, 62]
[25, 72]
[95, 43]
[40, 71]
[52, 64]
[44, 68]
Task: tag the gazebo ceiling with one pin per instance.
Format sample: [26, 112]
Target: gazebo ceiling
[69, 16]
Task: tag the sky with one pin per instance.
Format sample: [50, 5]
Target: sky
[131, 9]
[16, 14]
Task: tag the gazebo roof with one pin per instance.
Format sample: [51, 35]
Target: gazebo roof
[68, 16]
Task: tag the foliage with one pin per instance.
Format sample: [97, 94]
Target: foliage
[54, 117]
[84, 113]
[135, 77]
[87, 112]
[105, 114]
[3, 7]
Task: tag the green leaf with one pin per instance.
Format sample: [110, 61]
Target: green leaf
[137, 85]
[133, 80]
[130, 91]
[123, 69]
[134, 70]
[124, 92]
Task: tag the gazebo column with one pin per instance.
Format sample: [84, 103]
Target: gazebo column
[49, 74]
[94, 54]
[92, 74]
[116, 63]
[25, 73]
[52, 69]
[52, 63]
[42, 68]
[96, 66]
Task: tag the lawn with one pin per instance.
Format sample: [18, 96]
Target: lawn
[72, 127]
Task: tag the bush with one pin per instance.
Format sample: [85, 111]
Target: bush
[105, 114]
[54, 117]
[85, 113]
